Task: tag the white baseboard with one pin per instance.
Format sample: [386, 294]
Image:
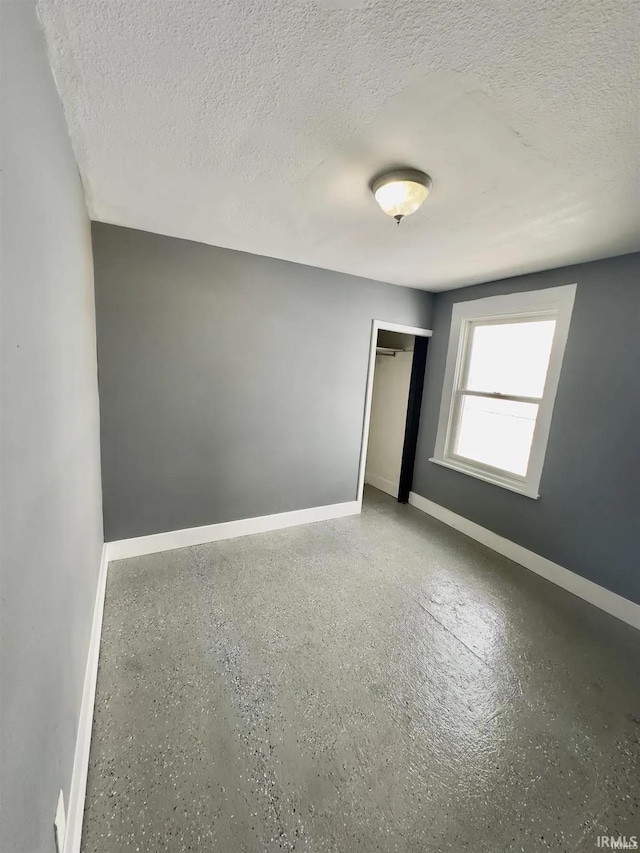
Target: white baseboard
[623, 609]
[141, 545]
[75, 812]
[382, 483]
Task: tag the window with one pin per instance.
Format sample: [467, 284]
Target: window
[502, 372]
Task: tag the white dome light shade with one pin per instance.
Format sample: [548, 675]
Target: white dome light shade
[402, 192]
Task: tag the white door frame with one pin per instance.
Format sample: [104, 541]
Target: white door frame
[376, 326]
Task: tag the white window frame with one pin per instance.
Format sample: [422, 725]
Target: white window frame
[551, 303]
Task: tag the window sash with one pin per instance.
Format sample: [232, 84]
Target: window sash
[456, 423]
[461, 391]
[504, 320]
[498, 395]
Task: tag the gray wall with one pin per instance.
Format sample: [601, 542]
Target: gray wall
[231, 385]
[50, 504]
[588, 514]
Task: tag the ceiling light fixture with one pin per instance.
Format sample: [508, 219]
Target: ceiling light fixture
[401, 192]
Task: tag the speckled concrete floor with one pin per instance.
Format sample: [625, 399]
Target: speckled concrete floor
[376, 683]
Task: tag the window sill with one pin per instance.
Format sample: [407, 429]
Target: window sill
[520, 489]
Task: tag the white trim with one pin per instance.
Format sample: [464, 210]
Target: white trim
[612, 603]
[376, 326]
[75, 813]
[388, 486]
[400, 329]
[480, 474]
[157, 542]
[60, 823]
[552, 300]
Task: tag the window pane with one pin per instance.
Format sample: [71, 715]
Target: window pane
[511, 358]
[496, 432]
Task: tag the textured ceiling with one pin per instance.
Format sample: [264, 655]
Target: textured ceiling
[257, 125]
